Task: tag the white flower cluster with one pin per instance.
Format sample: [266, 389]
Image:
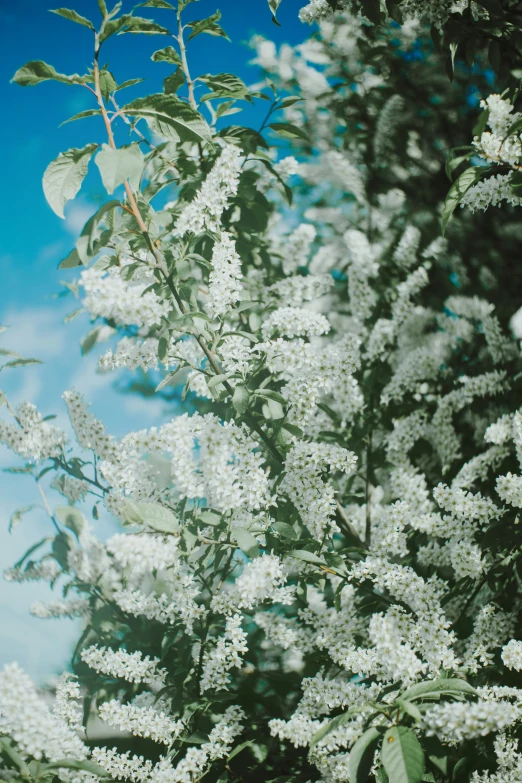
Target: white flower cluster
[262, 579]
[109, 296]
[167, 608]
[204, 212]
[142, 722]
[314, 497]
[25, 717]
[295, 322]
[143, 553]
[512, 655]
[32, 437]
[133, 667]
[224, 284]
[90, 432]
[463, 720]
[224, 656]
[78, 607]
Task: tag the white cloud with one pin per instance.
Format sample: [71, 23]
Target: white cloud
[76, 216]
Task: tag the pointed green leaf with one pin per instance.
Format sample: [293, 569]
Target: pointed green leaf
[157, 4]
[71, 261]
[172, 83]
[410, 709]
[37, 71]
[288, 131]
[225, 85]
[67, 13]
[170, 117]
[361, 756]
[63, 177]
[444, 687]
[117, 165]
[20, 363]
[137, 24]
[87, 766]
[81, 115]
[246, 541]
[402, 756]
[72, 518]
[208, 25]
[152, 515]
[85, 244]
[16, 517]
[241, 399]
[274, 5]
[308, 557]
[167, 55]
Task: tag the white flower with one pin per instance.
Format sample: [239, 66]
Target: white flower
[142, 722]
[512, 655]
[132, 667]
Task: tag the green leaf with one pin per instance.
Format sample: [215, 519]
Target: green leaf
[128, 83]
[37, 71]
[90, 340]
[85, 244]
[72, 518]
[210, 518]
[270, 395]
[288, 131]
[81, 115]
[285, 530]
[103, 8]
[167, 55]
[308, 557]
[137, 24]
[20, 363]
[361, 756]
[225, 85]
[402, 756]
[410, 709]
[73, 17]
[208, 25]
[170, 117]
[241, 399]
[274, 5]
[71, 261]
[87, 766]
[172, 83]
[63, 177]
[443, 687]
[156, 4]
[7, 748]
[152, 515]
[108, 83]
[459, 188]
[16, 517]
[118, 165]
[246, 541]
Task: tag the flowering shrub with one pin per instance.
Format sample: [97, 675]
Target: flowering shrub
[319, 570]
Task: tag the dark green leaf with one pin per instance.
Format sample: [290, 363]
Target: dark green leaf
[71, 261]
[361, 757]
[85, 244]
[63, 177]
[170, 117]
[288, 131]
[274, 5]
[172, 83]
[402, 756]
[459, 188]
[87, 766]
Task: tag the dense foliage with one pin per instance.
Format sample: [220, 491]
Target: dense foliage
[319, 573]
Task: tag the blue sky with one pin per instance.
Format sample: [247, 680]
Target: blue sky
[34, 240]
